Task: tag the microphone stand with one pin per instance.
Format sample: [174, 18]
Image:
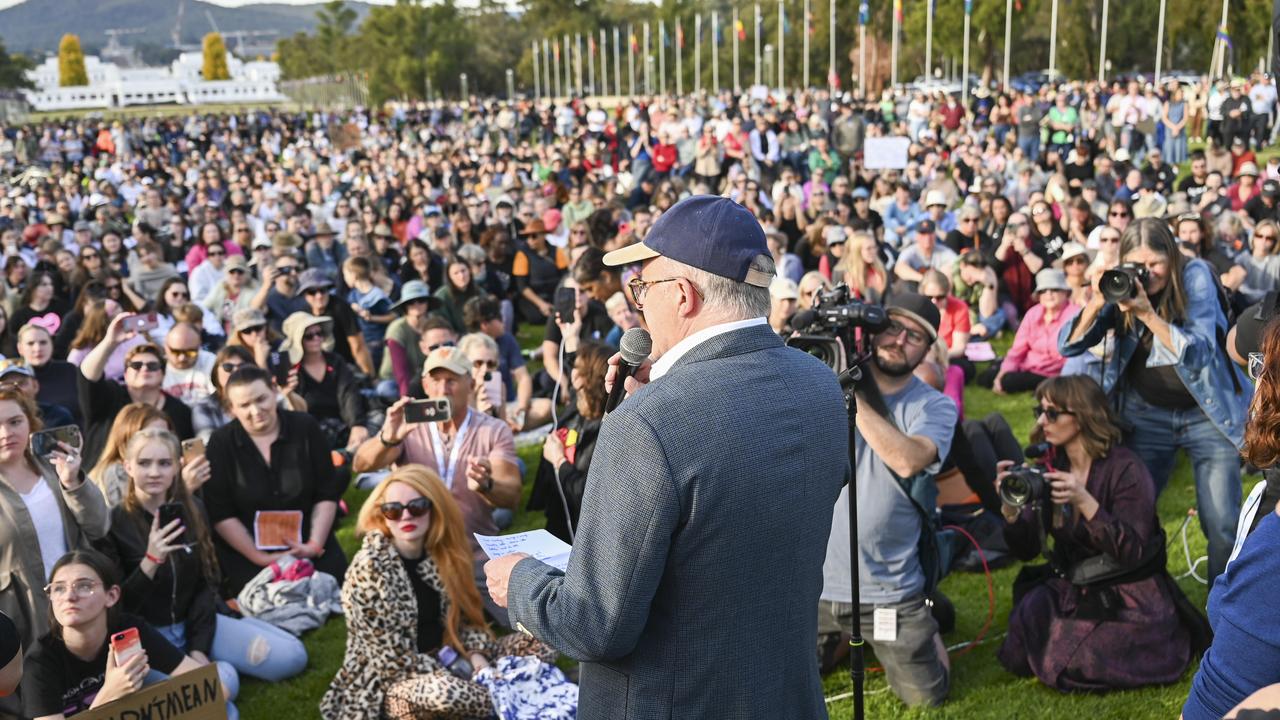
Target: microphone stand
[849, 380]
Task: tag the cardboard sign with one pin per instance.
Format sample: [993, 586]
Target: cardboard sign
[885, 153]
[345, 137]
[274, 529]
[196, 695]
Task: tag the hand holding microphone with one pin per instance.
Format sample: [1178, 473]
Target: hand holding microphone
[629, 368]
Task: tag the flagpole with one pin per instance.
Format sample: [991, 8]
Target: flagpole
[928, 41]
[893, 64]
[1160, 43]
[617, 63]
[1008, 39]
[679, 61]
[537, 80]
[808, 17]
[568, 68]
[1102, 48]
[831, 46]
[757, 57]
[1053, 42]
[648, 79]
[864, 11]
[604, 63]
[737, 84]
[697, 54]
[591, 66]
[964, 80]
[662, 57]
[631, 60]
[577, 61]
[555, 56]
[782, 19]
[715, 51]
[1221, 45]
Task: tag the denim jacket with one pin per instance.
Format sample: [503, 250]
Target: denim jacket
[1200, 360]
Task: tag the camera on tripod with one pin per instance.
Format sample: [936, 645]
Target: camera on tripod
[827, 328]
[1121, 283]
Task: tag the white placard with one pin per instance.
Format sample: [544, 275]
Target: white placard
[885, 153]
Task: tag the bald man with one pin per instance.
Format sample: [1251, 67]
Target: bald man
[188, 374]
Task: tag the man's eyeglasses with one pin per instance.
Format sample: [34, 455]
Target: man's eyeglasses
[1051, 414]
[416, 508]
[639, 287]
[81, 588]
[488, 364]
[183, 353]
[937, 298]
[1256, 366]
[316, 291]
[914, 337]
[150, 365]
[437, 346]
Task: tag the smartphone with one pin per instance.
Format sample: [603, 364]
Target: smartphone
[282, 373]
[170, 512]
[126, 644]
[565, 304]
[141, 323]
[46, 441]
[192, 449]
[493, 388]
[429, 410]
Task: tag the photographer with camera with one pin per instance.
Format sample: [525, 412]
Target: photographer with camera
[1169, 376]
[903, 437]
[1103, 613]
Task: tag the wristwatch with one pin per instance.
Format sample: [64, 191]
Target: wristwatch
[386, 444]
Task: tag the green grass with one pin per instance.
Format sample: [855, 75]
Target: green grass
[980, 687]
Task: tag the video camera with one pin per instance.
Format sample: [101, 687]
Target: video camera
[826, 330]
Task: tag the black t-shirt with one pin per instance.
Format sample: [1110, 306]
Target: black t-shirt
[1193, 188]
[1258, 211]
[57, 682]
[595, 324]
[430, 631]
[1159, 386]
[344, 327]
[10, 644]
[960, 243]
[1077, 171]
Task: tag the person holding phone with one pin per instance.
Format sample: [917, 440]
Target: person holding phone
[94, 653]
[271, 460]
[490, 395]
[474, 453]
[101, 399]
[160, 539]
[48, 508]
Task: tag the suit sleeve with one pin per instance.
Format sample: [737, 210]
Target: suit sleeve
[597, 610]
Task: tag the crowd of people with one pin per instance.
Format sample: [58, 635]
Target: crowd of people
[243, 314]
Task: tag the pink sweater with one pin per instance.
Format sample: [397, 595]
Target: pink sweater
[1035, 347]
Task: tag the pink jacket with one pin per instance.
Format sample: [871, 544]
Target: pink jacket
[1035, 347]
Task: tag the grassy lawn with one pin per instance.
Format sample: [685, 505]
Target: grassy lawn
[980, 687]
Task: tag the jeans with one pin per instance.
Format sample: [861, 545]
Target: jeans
[258, 649]
[1030, 147]
[177, 634]
[1157, 434]
[915, 662]
[994, 322]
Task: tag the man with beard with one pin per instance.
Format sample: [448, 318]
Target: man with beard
[902, 434]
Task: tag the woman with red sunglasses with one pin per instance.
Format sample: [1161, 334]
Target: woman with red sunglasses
[414, 616]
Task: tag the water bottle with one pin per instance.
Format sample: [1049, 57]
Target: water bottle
[455, 663]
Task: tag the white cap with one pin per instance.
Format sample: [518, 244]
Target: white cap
[781, 288]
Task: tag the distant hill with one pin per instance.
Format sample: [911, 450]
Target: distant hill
[35, 26]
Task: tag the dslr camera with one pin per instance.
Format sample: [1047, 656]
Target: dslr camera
[1121, 283]
[1026, 484]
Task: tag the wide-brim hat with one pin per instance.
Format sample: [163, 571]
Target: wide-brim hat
[247, 318]
[313, 278]
[1070, 250]
[1051, 279]
[295, 326]
[416, 290]
[534, 227]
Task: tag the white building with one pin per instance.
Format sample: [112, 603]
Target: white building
[181, 83]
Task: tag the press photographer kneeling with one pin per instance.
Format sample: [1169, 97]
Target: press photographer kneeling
[1102, 613]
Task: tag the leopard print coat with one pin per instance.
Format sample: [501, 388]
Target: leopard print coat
[382, 624]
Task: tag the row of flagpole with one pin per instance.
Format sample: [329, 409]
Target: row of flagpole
[558, 66]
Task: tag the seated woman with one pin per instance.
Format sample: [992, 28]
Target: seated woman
[40, 302]
[459, 288]
[73, 668]
[176, 591]
[409, 594]
[566, 454]
[1034, 355]
[269, 459]
[955, 328]
[324, 380]
[211, 413]
[1104, 614]
[57, 378]
[108, 472]
[489, 396]
[48, 508]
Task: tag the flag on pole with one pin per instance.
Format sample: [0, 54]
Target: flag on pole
[742, 30]
[897, 10]
[556, 49]
[1224, 36]
[591, 44]
[786, 21]
[968, 7]
[666, 39]
[719, 36]
[808, 22]
[680, 36]
[864, 12]
[635, 43]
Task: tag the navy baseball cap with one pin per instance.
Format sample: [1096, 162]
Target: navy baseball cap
[708, 232]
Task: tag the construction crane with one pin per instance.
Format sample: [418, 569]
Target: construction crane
[175, 36]
[115, 51]
[241, 35]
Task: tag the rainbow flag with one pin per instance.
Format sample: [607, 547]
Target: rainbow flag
[680, 36]
[864, 12]
[635, 43]
[1224, 36]
[742, 29]
[897, 11]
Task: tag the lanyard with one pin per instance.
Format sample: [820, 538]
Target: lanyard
[437, 448]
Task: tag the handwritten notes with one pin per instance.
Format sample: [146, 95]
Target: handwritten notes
[539, 544]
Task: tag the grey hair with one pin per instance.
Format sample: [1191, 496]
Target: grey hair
[737, 299]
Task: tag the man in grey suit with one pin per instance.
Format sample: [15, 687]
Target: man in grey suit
[697, 566]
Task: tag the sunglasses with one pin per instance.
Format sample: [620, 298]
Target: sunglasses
[287, 269]
[316, 291]
[236, 271]
[315, 335]
[217, 253]
[254, 329]
[490, 364]
[1118, 214]
[437, 346]
[230, 367]
[1256, 366]
[395, 510]
[1052, 414]
[1108, 239]
[183, 353]
[150, 365]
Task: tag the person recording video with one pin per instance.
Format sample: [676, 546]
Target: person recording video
[1102, 613]
[1169, 376]
[907, 438]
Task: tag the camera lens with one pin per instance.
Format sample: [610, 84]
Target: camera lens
[1015, 491]
[1116, 285]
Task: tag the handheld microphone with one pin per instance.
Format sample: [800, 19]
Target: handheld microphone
[635, 347]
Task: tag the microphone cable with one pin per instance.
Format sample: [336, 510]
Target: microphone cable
[555, 425]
